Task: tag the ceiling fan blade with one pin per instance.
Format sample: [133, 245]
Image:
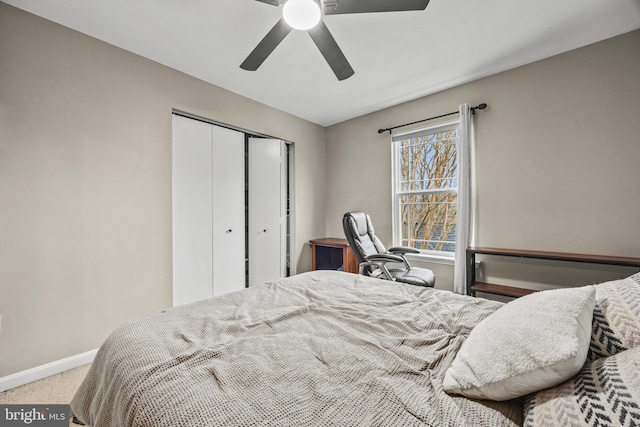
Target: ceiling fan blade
[331, 51]
[336, 7]
[271, 2]
[266, 46]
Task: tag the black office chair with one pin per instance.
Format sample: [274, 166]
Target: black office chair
[373, 257]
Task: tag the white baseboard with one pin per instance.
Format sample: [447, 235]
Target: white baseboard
[43, 371]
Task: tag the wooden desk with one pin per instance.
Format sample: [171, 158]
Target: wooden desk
[511, 291]
[333, 254]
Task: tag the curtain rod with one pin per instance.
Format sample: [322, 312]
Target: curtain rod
[473, 111]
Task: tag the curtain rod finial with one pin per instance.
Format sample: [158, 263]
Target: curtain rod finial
[384, 130]
[478, 107]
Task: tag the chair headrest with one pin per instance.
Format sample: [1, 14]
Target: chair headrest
[361, 219]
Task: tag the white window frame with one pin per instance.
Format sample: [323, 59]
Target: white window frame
[425, 254]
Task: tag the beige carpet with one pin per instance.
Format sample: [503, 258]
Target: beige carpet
[57, 389]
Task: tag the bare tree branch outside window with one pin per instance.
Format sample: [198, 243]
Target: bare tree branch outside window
[427, 190]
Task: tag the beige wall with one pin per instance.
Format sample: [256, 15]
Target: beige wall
[85, 173]
[85, 184]
[558, 157]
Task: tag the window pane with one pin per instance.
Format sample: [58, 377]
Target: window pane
[429, 162]
[428, 221]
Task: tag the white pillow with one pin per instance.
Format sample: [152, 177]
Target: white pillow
[529, 344]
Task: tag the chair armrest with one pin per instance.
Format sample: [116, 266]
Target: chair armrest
[385, 258]
[399, 252]
[403, 250]
[379, 265]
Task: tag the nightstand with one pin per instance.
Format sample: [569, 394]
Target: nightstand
[333, 254]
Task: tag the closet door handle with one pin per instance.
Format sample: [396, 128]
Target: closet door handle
[229, 230]
[264, 231]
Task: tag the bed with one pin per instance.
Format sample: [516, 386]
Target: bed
[321, 348]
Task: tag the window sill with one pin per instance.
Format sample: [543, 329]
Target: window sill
[435, 258]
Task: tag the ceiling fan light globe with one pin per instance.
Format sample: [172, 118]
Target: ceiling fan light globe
[301, 14]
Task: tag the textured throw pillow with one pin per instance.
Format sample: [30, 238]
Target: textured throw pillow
[531, 343]
[616, 317]
[606, 392]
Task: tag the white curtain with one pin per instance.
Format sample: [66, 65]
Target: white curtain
[464, 225]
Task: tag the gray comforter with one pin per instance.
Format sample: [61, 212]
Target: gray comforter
[317, 349]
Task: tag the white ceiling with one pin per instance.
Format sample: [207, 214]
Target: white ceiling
[397, 56]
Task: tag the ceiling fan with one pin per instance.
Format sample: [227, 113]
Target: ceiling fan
[310, 14]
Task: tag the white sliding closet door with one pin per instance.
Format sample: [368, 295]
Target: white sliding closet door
[192, 211]
[267, 188]
[228, 211]
[208, 210]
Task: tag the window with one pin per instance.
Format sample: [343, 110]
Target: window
[425, 190]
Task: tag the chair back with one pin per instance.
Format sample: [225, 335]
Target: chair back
[361, 236]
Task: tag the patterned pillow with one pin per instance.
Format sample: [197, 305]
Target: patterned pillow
[616, 317]
[605, 392]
